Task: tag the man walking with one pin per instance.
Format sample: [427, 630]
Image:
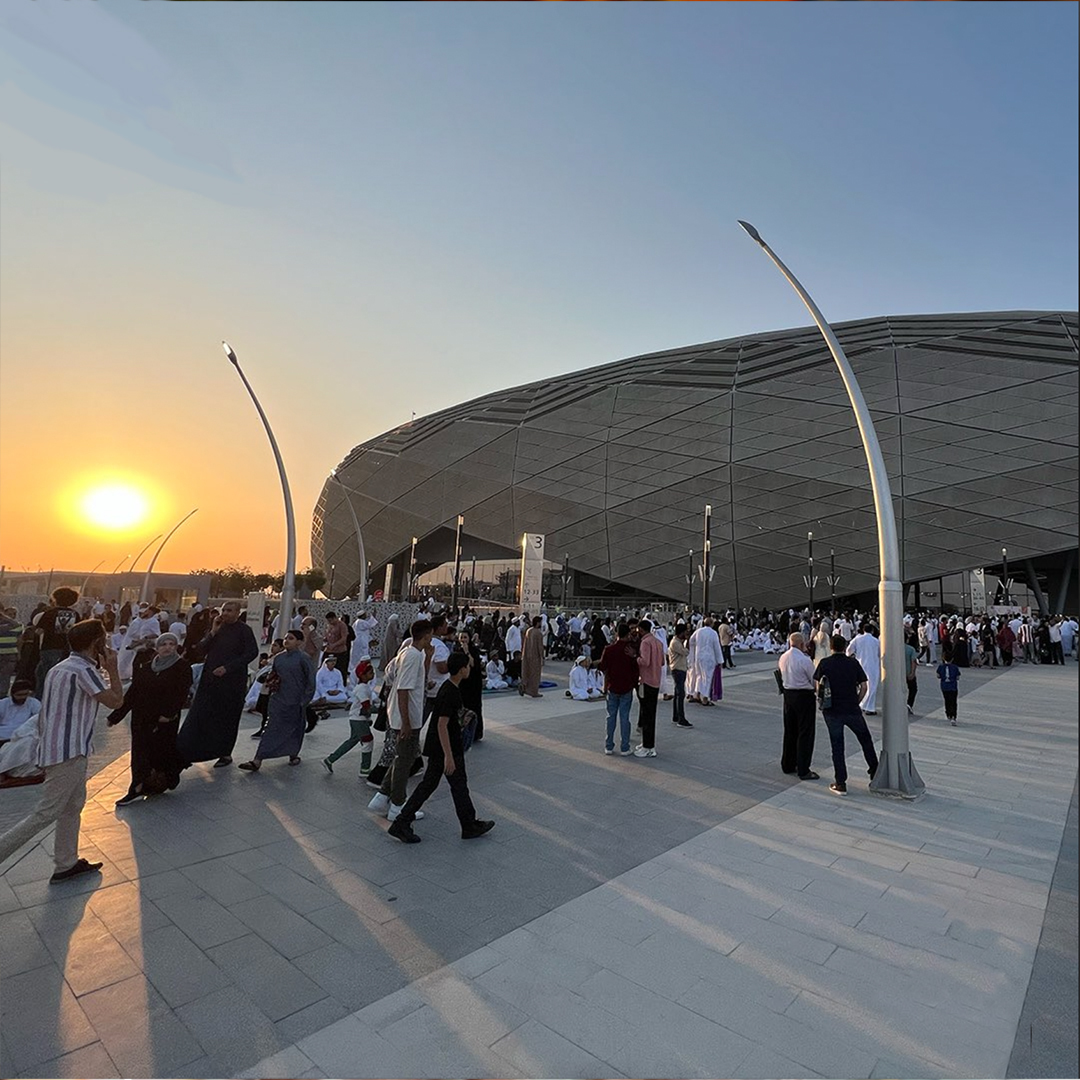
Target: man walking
[800, 718]
[841, 682]
[73, 691]
[619, 665]
[650, 660]
[445, 751]
[406, 717]
[865, 647]
[210, 727]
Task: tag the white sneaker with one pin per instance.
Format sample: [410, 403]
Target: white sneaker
[608, 752]
[394, 812]
[643, 751]
[625, 753]
[380, 803]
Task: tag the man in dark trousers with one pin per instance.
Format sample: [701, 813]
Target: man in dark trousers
[445, 754]
[800, 715]
[846, 683]
[209, 731]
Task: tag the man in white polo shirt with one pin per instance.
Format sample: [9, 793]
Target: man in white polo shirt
[73, 691]
[800, 713]
[406, 717]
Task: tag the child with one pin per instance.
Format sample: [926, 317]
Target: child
[359, 720]
[949, 674]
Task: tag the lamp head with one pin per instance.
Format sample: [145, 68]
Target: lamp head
[751, 231]
[230, 354]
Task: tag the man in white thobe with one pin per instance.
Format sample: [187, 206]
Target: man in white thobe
[706, 653]
[363, 625]
[866, 648]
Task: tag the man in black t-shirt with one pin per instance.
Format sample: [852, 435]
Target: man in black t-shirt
[53, 625]
[846, 684]
[445, 755]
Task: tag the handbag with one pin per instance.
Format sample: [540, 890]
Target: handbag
[778, 676]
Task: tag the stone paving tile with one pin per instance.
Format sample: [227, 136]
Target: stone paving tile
[304, 1022]
[219, 880]
[89, 956]
[41, 1018]
[289, 933]
[142, 1035]
[92, 1060]
[535, 1050]
[176, 967]
[350, 978]
[231, 1028]
[277, 987]
[202, 919]
[351, 1048]
[292, 889]
[22, 950]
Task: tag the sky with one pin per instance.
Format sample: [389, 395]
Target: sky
[393, 208]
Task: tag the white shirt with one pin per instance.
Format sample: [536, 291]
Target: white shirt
[513, 639]
[579, 680]
[361, 695]
[440, 655]
[13, 716]
[329, 684]
[797, 669]
[143, 628]
[409, 675]
[362, 629]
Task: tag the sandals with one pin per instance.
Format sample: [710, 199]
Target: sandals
[296, 761]
[250, 766]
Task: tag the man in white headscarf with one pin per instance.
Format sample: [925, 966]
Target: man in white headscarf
[582, 687]
[363, 625]
[706, 656]
[866, 648]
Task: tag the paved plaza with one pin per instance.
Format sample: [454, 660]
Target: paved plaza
[699, 914]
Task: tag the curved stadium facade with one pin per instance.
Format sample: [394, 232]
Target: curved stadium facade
[977, 416]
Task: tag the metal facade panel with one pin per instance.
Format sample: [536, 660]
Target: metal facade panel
[977, 416]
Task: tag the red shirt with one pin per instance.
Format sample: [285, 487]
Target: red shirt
[619, 664]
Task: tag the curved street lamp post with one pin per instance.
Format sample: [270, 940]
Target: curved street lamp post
[145, 594]
[288, 587]
[896, 774]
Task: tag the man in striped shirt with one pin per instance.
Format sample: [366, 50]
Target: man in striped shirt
[73, 691]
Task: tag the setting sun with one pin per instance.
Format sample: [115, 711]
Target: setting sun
[114, 506]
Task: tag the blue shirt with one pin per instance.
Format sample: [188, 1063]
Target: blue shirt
[949, 674]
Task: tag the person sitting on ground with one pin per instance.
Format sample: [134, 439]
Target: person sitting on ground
[329, 686]
[17, 709]
[19, 734]
[496, 673]
[582, 688]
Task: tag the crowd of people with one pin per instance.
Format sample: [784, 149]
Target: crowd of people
[150, 665]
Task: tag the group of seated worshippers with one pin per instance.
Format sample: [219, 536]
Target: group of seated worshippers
[586, 682]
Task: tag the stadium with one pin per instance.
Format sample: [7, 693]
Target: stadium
[614, 465]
